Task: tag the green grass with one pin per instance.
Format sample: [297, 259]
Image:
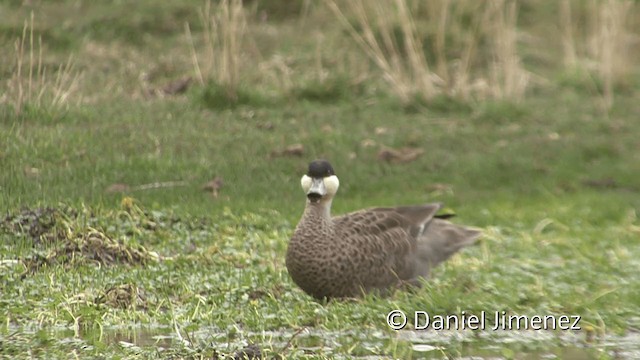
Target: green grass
[226, 276]
[552, 180]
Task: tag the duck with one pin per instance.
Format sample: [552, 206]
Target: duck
[370, 250]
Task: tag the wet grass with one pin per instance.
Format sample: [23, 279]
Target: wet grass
[216, 285]
[112, 246]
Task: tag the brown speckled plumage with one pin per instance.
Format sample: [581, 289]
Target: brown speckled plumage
[367, 250]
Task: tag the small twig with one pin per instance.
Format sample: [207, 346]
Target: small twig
[159, 185]
[288, 344]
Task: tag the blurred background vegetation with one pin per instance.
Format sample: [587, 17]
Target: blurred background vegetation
[157, 99]
[173, 134]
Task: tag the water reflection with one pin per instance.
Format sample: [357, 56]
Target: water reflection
[525, 345]
[156, 336]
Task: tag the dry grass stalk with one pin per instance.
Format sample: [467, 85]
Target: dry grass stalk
[609, 43]
[36, 88]
[278, 70]
[224, 29]
[461, 80]
[442, 10]
[388, 34]
[406, 77]
[604, 46]
[570, 58]
[508, 78]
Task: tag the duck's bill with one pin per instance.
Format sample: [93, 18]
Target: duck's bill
[317, 190]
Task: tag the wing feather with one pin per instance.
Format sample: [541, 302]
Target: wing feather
[388, 235]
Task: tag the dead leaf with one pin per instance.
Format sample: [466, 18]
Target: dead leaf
[553, 136]
[367, 143]
[213, 186]
[124, 296]
[291, 150]
[174, 87]
[439, 189]
[381, 130]
[31, 172]
[117, 187]
[250, 351]
[399, 156]
[178, 86]
[604, 183]
[265, 125]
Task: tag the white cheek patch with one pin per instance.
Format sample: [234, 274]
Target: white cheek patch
[305, 182]
[331, 183]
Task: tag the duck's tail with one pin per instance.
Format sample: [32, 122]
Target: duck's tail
[440, 240]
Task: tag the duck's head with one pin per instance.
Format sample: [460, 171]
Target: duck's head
[320, 182]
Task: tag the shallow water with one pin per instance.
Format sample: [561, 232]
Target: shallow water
[466, 344]
[526, 345]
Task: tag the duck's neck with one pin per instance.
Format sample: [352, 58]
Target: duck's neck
[320, 209]
[314, 231]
